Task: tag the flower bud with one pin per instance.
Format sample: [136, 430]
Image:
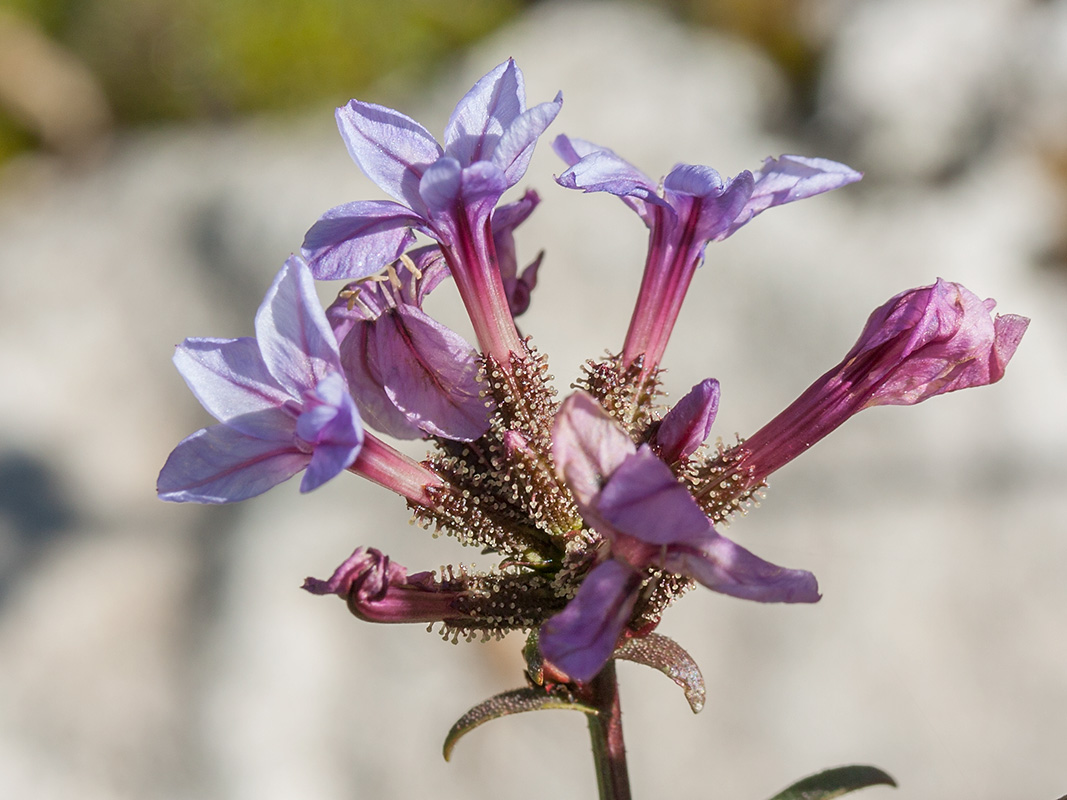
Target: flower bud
[380, 590]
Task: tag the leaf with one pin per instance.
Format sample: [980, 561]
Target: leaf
[506, 703]
[835, 782]
[666, 655]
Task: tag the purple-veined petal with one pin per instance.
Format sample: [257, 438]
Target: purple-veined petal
[376, 407]
[603, 171]
[392, 149]
[587, 447]
[228, 377]
[356, 240]
[294, 337]
[484, 113]
[430, 373]
[516, 146]
[222, 465]
[581, 638]
[643, 499]
[704, 204]
[687, 425]
[724, 566]
[790, 178]
[573, 150]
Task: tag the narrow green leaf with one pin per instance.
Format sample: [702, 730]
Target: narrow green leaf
[506, 703]
[835, 782]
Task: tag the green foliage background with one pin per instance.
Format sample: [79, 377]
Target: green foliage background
[217, 59]
[182, 59]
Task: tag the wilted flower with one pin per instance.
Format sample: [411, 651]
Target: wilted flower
[380, 590]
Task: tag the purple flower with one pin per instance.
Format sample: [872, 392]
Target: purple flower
[410, 375]
[922, 343]
[447, 193]
[281, 399]
[649, 521]
[693, 207]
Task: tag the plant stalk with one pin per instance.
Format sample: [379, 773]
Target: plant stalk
[605, 733]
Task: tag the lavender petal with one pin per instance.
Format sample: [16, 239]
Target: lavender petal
[222, 465]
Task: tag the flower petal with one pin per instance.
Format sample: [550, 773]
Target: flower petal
[505, 219]
[367, 568]
[704, 204]
[603, 171]
[790, 178]
[222, 465]
[229, 378]
[953, 343]
[516, 146]
[573, 150]
[726, 567]
[508, 217]
[587, 447]
[484, 113]
[294, 337]
[430, 373]
[461, 199]
[580, 639]
[685, 427]
[392, 149]
[520, 289]
[376, 407]
[643, 499]
[327, 461]
[440, 186]
[330, 423]
[356, 240]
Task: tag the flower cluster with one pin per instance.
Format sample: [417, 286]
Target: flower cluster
[603, 507]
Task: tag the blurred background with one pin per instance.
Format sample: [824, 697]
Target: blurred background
[159, 160]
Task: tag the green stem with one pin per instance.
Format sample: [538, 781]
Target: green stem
[605, 732]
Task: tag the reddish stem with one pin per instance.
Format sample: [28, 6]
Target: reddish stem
[605, 732]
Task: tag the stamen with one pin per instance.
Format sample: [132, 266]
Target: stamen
[407, 261]
[350, 296]
[392, 277]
